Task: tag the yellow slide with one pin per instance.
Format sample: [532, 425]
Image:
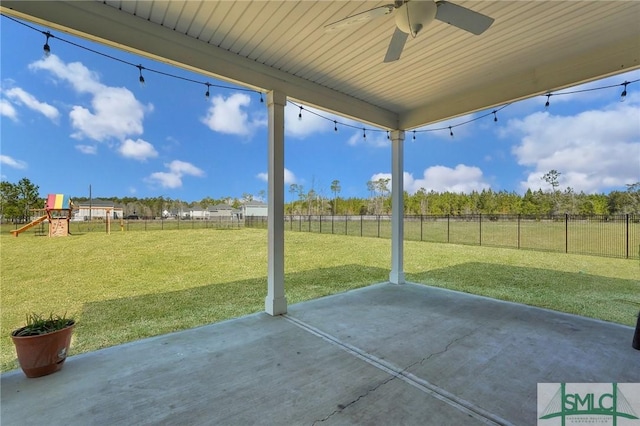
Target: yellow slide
[29, 225]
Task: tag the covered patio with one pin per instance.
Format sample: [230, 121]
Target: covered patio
[392, 353]
[384, 354]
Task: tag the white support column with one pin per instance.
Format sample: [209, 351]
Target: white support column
[276, 302]
[397, 207]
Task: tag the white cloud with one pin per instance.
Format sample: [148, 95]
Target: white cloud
[230, 116]
[594, 150]
[12, 162]
[289, 177]
[21, 97]
[87, 149]
[114, 113]
[313, 121]
[374, 139]
[139, 149]
[309, 124]
[184, 168]
[461, 179]
[7, 110]
[173, 178]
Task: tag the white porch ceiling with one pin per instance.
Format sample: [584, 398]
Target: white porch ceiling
[532, 47]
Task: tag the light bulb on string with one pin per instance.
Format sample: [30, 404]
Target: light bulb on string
[335, 126]
[141, 79]
[495, 116]
[46, 48]
[623, 95]
[414, 135]
[364, 133]
[388, 137]
[450, 131]
[546, 105]
[207, 94]
[261, 100]
[300, 114]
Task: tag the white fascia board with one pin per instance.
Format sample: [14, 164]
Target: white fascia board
[107, 25]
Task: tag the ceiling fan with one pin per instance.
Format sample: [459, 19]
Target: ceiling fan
[412, 16]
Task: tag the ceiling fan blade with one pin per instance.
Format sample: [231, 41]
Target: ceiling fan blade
[396, 45]
[359, 18]
[463, 18]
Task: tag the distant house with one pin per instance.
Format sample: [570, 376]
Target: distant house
[221, 210]
[198, 212]
[255, 209]
[96, 209]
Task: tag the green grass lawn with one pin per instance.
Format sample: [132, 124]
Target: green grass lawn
[131, 285]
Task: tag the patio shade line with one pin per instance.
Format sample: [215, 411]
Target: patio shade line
[401, 373]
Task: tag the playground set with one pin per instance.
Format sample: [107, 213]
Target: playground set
[57, 211]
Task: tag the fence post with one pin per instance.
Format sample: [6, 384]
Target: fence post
[627, 237]
[480, 221]
[518, 230]
[361, 220]
[378, 226]
[421, 221]
[566, 232]
[309, 223]
[332, 217]
[321, 224]
[448, 229]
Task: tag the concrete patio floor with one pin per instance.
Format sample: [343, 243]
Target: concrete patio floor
[381, 355]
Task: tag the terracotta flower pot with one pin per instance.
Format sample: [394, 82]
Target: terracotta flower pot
[43, 354]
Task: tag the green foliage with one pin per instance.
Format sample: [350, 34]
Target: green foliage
[38, 324]
[16, 200]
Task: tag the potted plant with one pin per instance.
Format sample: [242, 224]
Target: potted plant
[43, 343]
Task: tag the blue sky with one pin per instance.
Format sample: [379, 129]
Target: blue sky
[76, 118]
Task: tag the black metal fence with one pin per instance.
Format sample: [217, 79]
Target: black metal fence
[611, 236]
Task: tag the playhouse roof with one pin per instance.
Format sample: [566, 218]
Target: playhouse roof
[58, 202]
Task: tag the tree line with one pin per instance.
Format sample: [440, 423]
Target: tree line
[17, 200]
[423, 202]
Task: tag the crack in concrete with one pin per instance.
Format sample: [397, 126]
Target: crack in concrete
[393, 376]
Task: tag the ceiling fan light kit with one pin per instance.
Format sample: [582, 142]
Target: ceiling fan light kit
[413, 16]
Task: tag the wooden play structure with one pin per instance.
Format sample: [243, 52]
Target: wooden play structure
[58, 210]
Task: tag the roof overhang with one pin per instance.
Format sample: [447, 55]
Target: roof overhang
[532, 48]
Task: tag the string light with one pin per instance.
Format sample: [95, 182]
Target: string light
[47, 52]
[623, 95]
[388, 137]
[141, 79]
[46, 48]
